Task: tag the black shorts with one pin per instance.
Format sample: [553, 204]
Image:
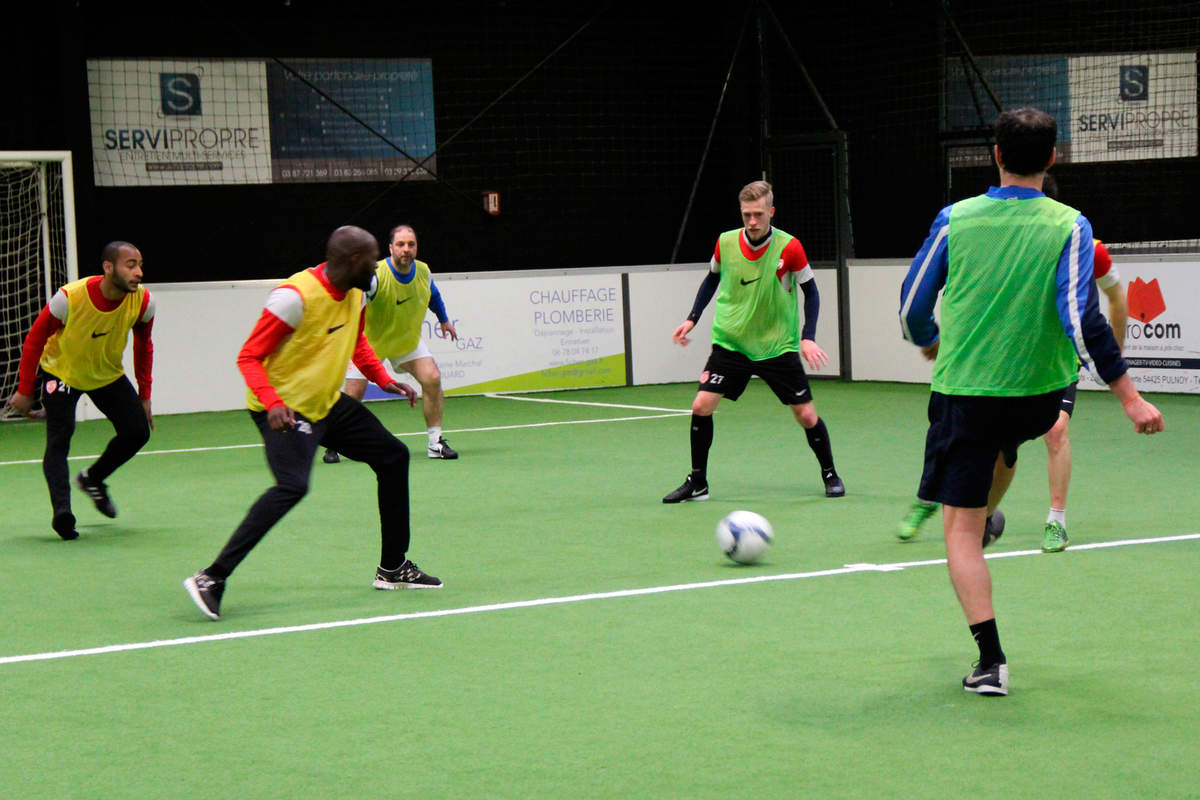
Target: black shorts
[1068, 401]
[966, 434]
[727, 372]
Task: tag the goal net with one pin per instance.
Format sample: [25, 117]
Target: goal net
[37, 246]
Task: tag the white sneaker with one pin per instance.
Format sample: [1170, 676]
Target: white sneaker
[442, 450]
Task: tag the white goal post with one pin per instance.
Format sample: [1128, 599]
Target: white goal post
[37, 246]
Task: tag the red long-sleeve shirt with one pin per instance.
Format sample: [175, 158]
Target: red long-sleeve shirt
[270, 332]
[47, 324]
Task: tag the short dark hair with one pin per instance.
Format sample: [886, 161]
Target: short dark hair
[112, 251]
[1026, 138]
[400, 227]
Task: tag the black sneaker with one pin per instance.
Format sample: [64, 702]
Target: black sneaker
[330, 457]
[688, 492]
[993, 529]
[64, 525]
[442, 450]
[992, 681]
[406, 576]
[98, 491]
[206, 593]
[833, 485]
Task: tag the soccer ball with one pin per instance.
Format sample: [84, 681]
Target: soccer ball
[744, 536]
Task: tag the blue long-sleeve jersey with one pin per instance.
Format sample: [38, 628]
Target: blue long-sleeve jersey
[1076, 298]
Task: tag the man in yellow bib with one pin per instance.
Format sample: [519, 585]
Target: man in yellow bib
[293, 364]
[75, 347]
[405, 289]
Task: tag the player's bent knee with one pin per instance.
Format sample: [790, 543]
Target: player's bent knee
[136, 435]
[291, 493]
[806, 415]
[1057, 437]
[396, 455]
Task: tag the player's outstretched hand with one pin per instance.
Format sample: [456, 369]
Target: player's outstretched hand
[404, 390]
[22, 403]
[1146, 418]
[149, 413]
[813, 354]
[281, 418]
[448, 330]
[679, 337]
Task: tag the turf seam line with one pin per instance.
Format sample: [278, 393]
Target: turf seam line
[551, 601]
[412, 433]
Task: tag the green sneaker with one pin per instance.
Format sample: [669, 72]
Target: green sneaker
[1054, 540]
[917, 515]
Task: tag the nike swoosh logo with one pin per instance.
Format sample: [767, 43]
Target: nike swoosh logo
[405, 300]
[98, 335]
[1068, 402]
[335, 327]
[747, 283]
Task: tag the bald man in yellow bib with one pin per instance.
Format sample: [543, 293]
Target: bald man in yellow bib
[293, 363]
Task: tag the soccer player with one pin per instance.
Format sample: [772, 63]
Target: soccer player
[75, 347]
[293, 364]
[1058, 443]
[394, 316]
[756, 331]
[1018, 310]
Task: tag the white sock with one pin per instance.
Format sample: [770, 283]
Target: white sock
[1058, 515]
[435, 434]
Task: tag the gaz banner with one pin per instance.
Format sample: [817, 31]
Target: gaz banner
[529, 334]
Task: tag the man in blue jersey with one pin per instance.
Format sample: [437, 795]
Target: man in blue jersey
[1018, 307]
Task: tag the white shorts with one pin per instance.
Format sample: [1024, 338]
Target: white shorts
[421, 351]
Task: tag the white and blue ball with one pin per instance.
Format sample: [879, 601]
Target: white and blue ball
[744, 536]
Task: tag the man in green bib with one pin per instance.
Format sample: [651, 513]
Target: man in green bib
[756, 331]
[1019, 306]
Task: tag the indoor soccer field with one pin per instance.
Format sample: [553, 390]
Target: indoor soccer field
[591, 641]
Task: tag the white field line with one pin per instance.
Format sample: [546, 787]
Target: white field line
[495, 396]
[672, 413]
[553, 601]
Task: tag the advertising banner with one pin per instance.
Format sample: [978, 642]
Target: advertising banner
[529, 334]
[159, 122]
[389, 137]
[1112, 107]
[169, 123]
[1162, 338]
[1133, 106]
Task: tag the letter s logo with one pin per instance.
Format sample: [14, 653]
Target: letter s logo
[180, 93]
[1135, 83]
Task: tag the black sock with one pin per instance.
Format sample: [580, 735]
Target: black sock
[988, 639]
[818, 440]
[702, 437]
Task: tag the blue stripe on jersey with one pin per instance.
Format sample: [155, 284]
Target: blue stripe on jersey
[925, 278]
[435, 302]
[1074, 263]
[1079, 307]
